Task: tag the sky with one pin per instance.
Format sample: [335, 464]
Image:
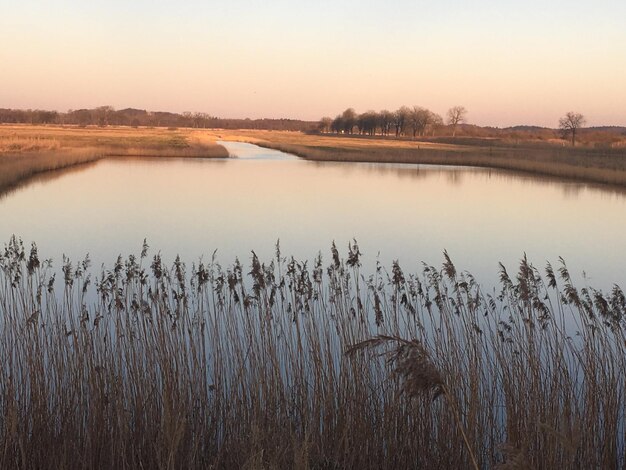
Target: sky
[507, 62]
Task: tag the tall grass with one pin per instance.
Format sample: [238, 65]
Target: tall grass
[604, 166]
[286, 365]
[596, 167]
[26, 151]
[15, 143]
[16, 168]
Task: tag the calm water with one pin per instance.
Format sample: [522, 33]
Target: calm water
[410, 213]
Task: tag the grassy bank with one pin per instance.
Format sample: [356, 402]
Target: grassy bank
[305, 366]
[29, 150]
[605, 166]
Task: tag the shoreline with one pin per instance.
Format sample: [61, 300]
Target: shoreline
[75, 146]
[579, 164]
[27, 152]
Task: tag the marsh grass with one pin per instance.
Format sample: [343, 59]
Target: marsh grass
[20, 167]
[14, 143]
[26, 151]
[605, 166]
[283, 364]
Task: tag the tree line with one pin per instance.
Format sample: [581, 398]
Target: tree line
[108, 116]
[418, 121]
[405, 121]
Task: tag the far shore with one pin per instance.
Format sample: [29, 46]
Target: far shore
[604, 166]
[27, 150]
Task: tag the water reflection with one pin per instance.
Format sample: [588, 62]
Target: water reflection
[406, 212]
[455, 175]
[246, 151]
[44, 177]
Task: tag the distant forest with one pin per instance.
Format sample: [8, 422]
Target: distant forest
[108, 116]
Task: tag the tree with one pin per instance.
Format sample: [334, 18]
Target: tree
[456, 115]
[82, 117]
[187, 118]
[400, 118]
[419, 118]
[325, 124]
[385, 119]
[337, 124]
[349, 120]
[435, 122]
[367, 122]
[570, 123]
[102, 114]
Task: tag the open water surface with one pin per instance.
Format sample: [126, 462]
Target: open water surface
[412, 213]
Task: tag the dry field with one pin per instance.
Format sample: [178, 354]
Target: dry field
[605, 166]
[29, 150]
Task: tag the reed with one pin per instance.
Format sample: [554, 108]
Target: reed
[595, 165]
[16, 168]
[283, 364]
[26, 151]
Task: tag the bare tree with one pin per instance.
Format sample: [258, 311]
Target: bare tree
[82, 117]
[570, 123]
[456, 115]
[337, 124]
[419, 119]
[400, 118]
[367, 122]
[385, 119]
[325, 124]
[188, 118]
[102, 114]
[349, 120]
[435, 122]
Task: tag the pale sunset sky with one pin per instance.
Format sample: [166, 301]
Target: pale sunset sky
[507, 62]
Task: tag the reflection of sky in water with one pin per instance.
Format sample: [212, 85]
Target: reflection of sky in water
[410, 213]
[245, 151]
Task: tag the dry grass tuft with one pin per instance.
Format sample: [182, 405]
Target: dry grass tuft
[420, 377]
[411, 363]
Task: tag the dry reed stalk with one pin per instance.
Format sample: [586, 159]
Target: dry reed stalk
[149, 365]
[419, 374]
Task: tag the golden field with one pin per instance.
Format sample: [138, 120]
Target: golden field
[605, 166]
[26, 151]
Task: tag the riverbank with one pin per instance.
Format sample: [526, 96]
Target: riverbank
[29, 150]
[605, 166]
[26, 151]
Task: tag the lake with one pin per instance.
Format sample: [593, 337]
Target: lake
[407, 212]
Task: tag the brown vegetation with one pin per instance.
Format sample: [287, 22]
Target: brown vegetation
[29, 150]
[298, 366]
[26, 150]
[597, 165]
